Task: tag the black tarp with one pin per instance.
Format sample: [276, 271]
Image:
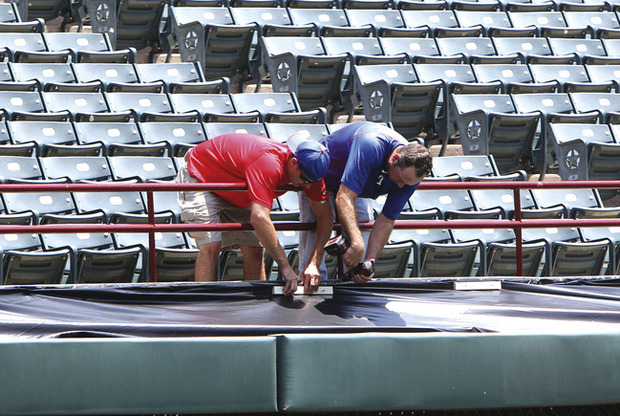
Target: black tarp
[240, 308]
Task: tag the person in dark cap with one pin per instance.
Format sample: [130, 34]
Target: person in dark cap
[264, 164]
[367, 161]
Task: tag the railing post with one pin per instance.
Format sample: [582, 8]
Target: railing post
[152, 254]
[518, 231]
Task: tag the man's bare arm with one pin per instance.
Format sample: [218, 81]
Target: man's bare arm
[266, 232]
[311, 277]
[347, 216]
[379, 236]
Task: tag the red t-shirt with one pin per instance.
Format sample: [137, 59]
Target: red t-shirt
[238, 157]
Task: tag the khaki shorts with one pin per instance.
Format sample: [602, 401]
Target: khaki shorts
[206, 207]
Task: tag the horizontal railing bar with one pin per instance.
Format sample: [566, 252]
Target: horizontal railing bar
[173, 186]
[287, 226]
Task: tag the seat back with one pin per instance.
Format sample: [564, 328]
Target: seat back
[142, 168]
[393, 260]
[76, 169]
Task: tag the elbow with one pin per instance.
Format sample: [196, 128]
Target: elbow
[258, 218]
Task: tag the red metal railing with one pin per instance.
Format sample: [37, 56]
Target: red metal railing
[152, 227]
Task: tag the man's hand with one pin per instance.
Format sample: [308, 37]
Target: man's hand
[311, 279]
[290, 282]
[353, 256]
[363, 278]
[266, 233]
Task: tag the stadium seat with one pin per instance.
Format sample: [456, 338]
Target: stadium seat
[170, 73]
[499, 253]
[138, 103]
[553, 108]
[177, 136]
[43, 72]
[604, 73]
[15, 167]
[38, 203]
[452, 203]
[24, 262]
[202, 103]
[325, 19]
[378, 18]
[277, 107]
[118, 139]
[93, 258]
[109, 202]
[77, 42]
[106, 73]
[393, 260]
[142, 168]
[52, 138]
[471, 168]
[435, 255]
[76, 169]
[583, 48]
[566, 254]
[416, 48]
[210, 37]
[432, 19]
[490, 124]
[81, 105]
[215, 129]
[515, 78]
[301, 65]
[33, 42]
[598, 22]
[9, 13]
[574, 201]
[608, 104]
[8, 148]
[456, 79]
[362, 51]
[175, 259]
[538, 19]
[391, 94]
[282, 131]
[488, 20]
[523, 46]
[128, 23]
[585, 151]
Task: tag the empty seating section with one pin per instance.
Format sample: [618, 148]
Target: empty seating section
[523, 87]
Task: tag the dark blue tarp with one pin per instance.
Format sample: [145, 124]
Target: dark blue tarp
[240, 308]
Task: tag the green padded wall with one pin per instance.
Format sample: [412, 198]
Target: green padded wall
[446, 371]
[144, 376]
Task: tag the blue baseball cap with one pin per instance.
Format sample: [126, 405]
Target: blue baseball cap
[312, 156]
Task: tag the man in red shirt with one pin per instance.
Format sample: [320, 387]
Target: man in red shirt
[264, 164]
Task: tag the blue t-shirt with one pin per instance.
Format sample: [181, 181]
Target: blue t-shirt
[359, 156]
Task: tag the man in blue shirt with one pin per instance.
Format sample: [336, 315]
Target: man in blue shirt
[367, 160]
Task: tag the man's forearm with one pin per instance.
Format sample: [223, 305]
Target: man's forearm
[347, 217]
[266, 232]
[379, 236]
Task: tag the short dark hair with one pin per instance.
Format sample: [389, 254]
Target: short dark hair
[414, 154]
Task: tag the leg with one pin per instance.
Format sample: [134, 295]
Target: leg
[253, 263]
[307, 237]
[247, 241]
[206, 263]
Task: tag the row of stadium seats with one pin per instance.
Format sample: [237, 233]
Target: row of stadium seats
[140, 105]
[130, 138]
[276, 20]
[516, 128]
